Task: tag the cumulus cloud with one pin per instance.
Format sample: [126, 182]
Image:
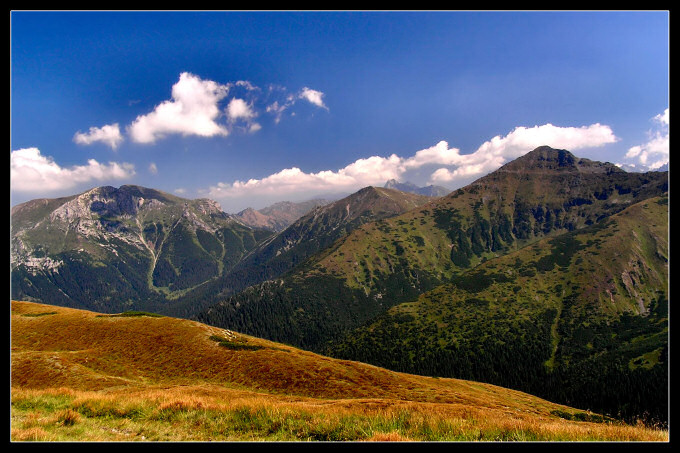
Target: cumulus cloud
[374, 170]
[193, 110]
[454, 166]
[313, 96]
[153, 169]
[655, 152]
[238, 109]
[109, 135]
[32, 172]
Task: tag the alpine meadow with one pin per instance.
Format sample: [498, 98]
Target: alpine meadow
[254, 252]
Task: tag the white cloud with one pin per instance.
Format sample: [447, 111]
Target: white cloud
[277, 109]
[247, 85]
[655, 152]
[153, 169]
[238, 109]
[278, 106]
[108, 134]
[193, 110]
[313, 96]
[32, 172]
[662, 118]
[458, 167]
[374, 170]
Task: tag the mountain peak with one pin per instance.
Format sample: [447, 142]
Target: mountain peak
[546, 158]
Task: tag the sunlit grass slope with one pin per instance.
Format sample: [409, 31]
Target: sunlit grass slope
[82, 376]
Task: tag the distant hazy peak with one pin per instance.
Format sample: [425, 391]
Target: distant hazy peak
[430, 191]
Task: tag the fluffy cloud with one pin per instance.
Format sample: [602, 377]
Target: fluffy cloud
[655, 152]
[108, 134]
[30, 172]
[238, 109]
[153, 169]
[193, 110]
[313, 96]
[456, 167]
[374, 170]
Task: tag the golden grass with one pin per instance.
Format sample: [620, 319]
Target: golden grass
[76, 376]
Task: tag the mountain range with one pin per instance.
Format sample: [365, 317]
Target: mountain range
[548, 275]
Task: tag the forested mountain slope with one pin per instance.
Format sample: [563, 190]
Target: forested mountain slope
[581, 318]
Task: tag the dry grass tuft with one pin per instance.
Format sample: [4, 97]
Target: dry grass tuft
[34, 434]
[389, 437]
[68, 417]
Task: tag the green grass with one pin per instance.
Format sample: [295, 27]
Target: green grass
[68, 417]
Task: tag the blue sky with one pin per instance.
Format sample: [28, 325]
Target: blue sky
[250, 108]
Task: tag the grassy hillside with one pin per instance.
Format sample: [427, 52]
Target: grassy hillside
[79, 375]
[581, 318]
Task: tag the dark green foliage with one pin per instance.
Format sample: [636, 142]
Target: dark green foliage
[163, 274]
[498, 347]
[80, 284]
[583, 416]
[310, 313]
[477, 281]
[512, 359]
[209, 242]
[37, 315]
[193, 272]
[234, 345]
[131, 314]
